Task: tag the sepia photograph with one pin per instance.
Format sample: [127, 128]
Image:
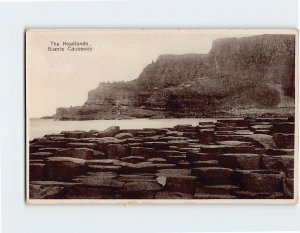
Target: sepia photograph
[161, 116]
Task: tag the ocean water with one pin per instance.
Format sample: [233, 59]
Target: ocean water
[41, 127]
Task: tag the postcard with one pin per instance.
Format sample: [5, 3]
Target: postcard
[161, 116]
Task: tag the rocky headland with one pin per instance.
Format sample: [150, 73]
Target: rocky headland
[249, 76]
[246, 158]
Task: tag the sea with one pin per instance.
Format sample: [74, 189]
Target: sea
[40, 127]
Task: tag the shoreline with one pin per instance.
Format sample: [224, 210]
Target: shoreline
[272, 114]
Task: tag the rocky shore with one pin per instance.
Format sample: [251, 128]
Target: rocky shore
[249, 76]
[247, 158]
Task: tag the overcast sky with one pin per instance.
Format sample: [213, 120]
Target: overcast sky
[62, 79]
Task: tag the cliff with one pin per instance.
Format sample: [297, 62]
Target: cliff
[238, 73]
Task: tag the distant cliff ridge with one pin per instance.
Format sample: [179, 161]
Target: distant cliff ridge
[256, 72]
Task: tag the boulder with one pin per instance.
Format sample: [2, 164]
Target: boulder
[242, 132]
[259, 181]
[207, 163]
[145, 167]
[182, 184]
[209, 124]
[90, 192]
[123, 135]
[178, 143]
[196, 156]
[279, 163]
[34, 147]
[219, 189]
[109, 132]
[135, 144]
[224, 128]
[187, 149]
[140, 190]
[261, 140]
[235, 143]
[221, 137]
[102, 162]
[156, 160]
[45, 142]
[262, 131]
[50, 149]
[36, 161]
[80, 153]
[207, 135]
[100, 182]
[143, 133]
[241, 161]
[224, 133]
[213, 175]
[136, 177]
[103, 168]
[279, 151]
[133, 159]
[194, 146]
[103, 143]
[134, 140]
[173, 172]
[261, 127]
[157, 145]
[40, 155]
[64, 168]
[81, 145]
[183, 165]
[291, 119]
[142, 151]
[283, 127]
[222, 149]
[92, 134]
[132, 131]
[106, 175]
[142, 185]
[155, 138]
[86, 140]
[52, 183]
[166, 153]
[175, 159]
[193, 135]
[116, 151]
[174, 133]
[36, 171]
[99, 155]
[182, 127]
[74, 134]
[284, 141]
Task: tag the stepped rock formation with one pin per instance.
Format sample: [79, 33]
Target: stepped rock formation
[243, 158]
[251, 72]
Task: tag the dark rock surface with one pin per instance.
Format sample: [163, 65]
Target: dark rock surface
[226, 164]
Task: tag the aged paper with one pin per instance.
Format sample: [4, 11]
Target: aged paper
[161, 116]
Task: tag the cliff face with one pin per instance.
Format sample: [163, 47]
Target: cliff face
[256, 72]
[265, 58]
[171, 70]
[115, 93]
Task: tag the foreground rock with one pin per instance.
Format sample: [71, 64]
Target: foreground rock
[227, 159]
[64, 168]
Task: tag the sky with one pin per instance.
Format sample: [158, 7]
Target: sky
[62, 79]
